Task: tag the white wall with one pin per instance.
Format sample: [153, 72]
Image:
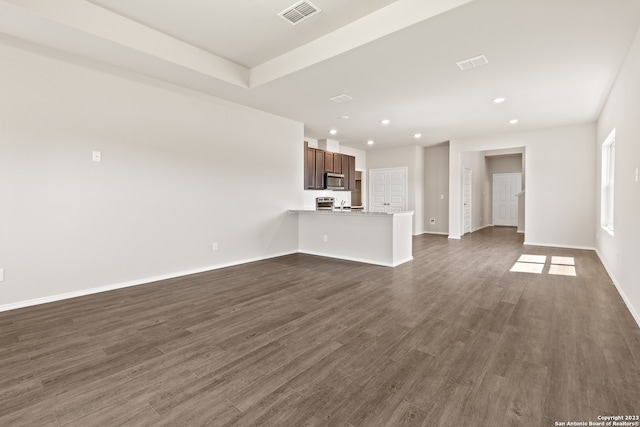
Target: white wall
[620, 253]
[559, 181]
[412, 157]
[436, 189]
[179, 171]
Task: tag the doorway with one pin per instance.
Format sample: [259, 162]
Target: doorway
[506, 187]
[466, 199]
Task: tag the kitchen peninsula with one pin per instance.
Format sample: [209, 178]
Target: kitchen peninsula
[379, 238]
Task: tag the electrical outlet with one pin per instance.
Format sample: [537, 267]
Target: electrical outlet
[214, 246]
[96, 156]
[432, 221]
[1, 274]
[326, 238]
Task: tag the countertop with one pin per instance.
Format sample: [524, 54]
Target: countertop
[347, 212]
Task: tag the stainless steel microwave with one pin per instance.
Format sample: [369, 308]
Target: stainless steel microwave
[333, 181]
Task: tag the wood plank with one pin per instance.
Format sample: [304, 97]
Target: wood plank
[451, 338]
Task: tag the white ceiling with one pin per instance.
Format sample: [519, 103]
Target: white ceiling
[247, 32]
[554, 60]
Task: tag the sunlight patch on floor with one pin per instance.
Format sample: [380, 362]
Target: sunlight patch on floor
[564, 260]
[541, 259]
[560, 265]
[562, 270]
[527, 267]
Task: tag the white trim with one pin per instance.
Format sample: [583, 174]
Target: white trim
[440, 233]
[632, 310]
[113, 287]
[555, 245]
[455, 237]
[607, 192]
[356, 259]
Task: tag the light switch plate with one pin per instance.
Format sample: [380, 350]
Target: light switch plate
[96, 156]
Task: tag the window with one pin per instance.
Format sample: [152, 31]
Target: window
[608, 173]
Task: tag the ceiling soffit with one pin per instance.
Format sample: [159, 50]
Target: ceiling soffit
[94, 21]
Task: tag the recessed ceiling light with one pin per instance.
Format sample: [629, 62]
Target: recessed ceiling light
[385, 121]
[370, 142]
[333, 131]
[513, 121]
[343, 117]
[499, 100]
[417, 135]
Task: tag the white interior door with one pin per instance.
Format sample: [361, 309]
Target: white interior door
[466, 200]
[388, 190]
[378, 191]
[397, 190]
[505, 201]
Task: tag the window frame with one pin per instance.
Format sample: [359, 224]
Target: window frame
[608, 182]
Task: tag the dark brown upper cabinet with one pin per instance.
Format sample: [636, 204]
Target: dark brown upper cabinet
[328, 161]
[317, 162]
[320, 155]
[309, 167]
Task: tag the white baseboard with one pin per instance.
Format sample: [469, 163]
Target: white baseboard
[439, 233]
[84, 292]
[626, 300]
[555, 245]
[356, 259]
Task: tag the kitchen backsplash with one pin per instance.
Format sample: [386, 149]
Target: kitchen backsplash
[339, 196]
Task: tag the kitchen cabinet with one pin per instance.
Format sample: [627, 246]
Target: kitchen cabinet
[317, 162]
[337, 163]
[319, 172]
[309, 167]
[349, 172]
[350, 181]
[345, 171]
[328, 161]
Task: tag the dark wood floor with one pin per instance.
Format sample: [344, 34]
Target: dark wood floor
[452, 338]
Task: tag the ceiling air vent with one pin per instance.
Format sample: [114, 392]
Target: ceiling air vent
[299, 12]
[339, 99]
[476, 61]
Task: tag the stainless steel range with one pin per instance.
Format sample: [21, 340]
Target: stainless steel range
[324, 203]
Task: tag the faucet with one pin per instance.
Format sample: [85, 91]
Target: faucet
[342, 205]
